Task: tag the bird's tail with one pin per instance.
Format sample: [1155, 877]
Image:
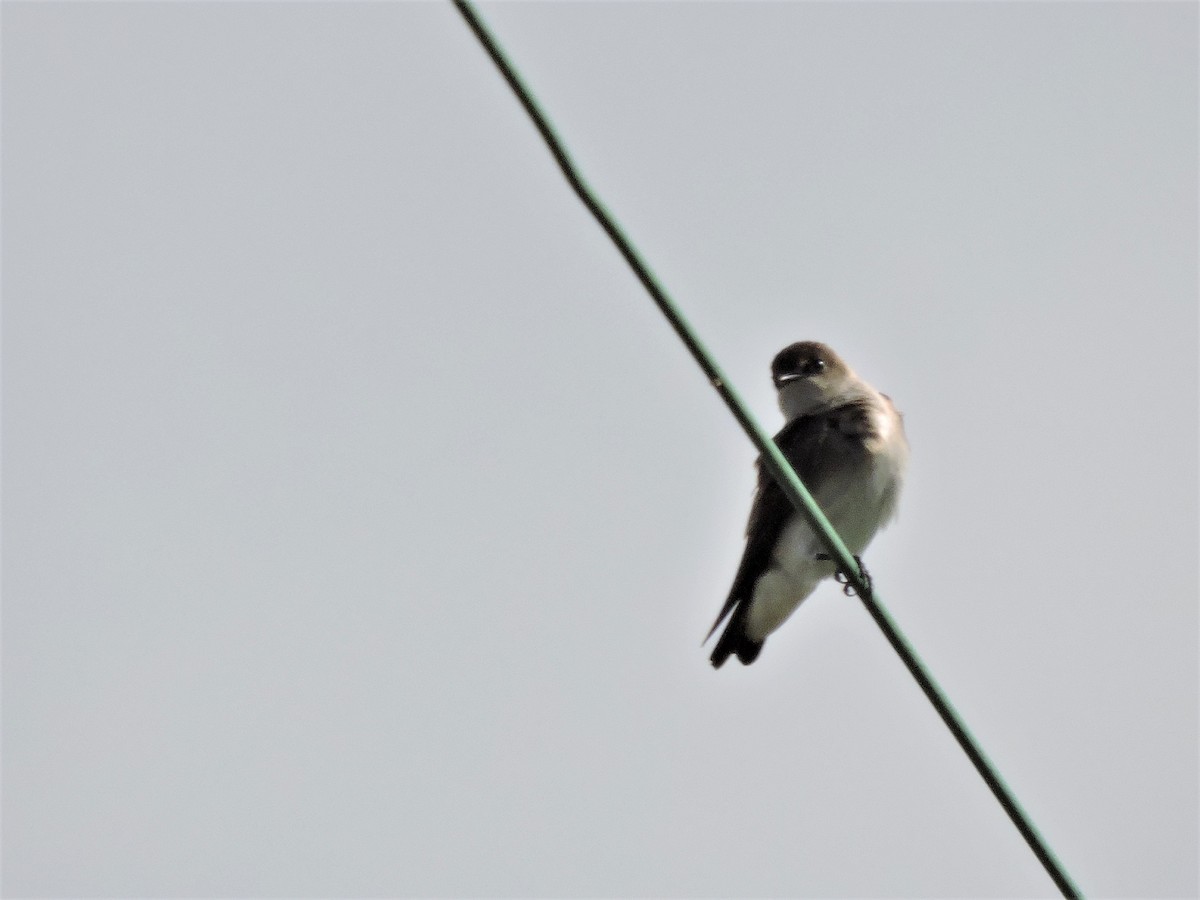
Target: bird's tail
[735, 642]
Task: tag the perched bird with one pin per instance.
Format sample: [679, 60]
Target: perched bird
[846, 442]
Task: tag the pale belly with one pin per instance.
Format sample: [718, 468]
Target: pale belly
[865, 502]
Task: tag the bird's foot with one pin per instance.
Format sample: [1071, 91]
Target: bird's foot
[844, 580]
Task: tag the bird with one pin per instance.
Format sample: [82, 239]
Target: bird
[846, 441]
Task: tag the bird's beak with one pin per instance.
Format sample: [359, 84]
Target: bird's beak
[781, 380]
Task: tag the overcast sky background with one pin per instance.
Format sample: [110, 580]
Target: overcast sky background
[362, 518]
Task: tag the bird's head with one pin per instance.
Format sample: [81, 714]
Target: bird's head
[808, 375]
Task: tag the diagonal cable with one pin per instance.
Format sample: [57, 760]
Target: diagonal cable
[774, 460]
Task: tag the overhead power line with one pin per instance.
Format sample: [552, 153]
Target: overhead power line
[773, 459]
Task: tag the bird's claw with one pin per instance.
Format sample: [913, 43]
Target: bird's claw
[844, 580]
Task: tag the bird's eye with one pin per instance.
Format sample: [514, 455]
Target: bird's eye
[812, 366]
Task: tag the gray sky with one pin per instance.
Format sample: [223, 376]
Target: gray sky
[362, 518]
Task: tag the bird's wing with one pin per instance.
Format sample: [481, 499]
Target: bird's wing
[804, 441]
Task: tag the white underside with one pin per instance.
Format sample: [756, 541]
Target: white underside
[858, 505]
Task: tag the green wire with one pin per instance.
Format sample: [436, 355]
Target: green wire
[774, 460]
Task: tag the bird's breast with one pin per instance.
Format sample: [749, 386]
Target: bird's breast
[858, 492]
